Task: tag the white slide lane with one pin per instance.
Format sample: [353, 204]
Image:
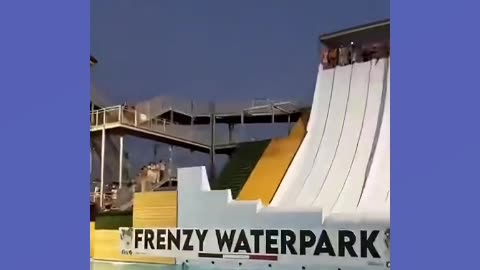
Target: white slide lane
[328, 146]
[387, 126]
[330, 168]
[375, 197]
[348, 145]
[388, 200]
[348, 198]
[303, 161]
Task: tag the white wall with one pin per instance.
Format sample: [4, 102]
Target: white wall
[198, 207]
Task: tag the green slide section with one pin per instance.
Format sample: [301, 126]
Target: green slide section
[241, 164]
[113, 220]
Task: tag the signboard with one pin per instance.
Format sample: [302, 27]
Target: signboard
[329, 247]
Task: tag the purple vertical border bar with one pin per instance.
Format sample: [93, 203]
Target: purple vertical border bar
[44, 134]
[435, 134]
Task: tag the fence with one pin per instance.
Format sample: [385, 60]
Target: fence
[131, 117]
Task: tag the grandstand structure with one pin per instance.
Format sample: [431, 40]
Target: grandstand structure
[182, 123]
[332, 172]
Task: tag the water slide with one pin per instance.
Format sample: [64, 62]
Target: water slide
[272, 166]
[347, 200]
[338, 153]
[335, 174]
[376, 194]
[329, 143]
[303, 162]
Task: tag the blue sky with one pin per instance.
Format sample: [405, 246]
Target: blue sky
[215, 50]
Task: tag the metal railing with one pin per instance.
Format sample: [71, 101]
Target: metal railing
[131, 117]
[161, 104]
[111, 200]
[107, 198]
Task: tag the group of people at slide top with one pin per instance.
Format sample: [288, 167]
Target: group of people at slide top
[346, 55]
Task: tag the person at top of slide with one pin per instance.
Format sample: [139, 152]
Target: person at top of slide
[333, 57]
[343, 56]
[367, 52]
[377, 51]
[325, 58]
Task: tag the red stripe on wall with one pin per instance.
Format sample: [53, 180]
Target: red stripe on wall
[263, 257]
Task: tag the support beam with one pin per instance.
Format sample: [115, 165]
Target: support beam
[91, 161]
[192, 119]
[273, 113]
[120, 163]
[149, 116]
[212, 142]
[102, 167]
[230, 132]
[135, 122]
[91, 158]
[170, 162]
[289, 125]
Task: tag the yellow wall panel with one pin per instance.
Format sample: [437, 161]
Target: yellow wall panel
[107, 248]
[155, 209]
[150, 209]
[92, 234]
[272, 166]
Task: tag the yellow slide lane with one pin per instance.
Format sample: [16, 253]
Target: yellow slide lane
[272, 166]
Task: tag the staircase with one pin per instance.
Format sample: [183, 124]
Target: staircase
[241, 164]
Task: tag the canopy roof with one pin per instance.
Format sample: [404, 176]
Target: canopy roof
[368, 33]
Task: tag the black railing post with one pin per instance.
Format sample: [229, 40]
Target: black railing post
[212, 142]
